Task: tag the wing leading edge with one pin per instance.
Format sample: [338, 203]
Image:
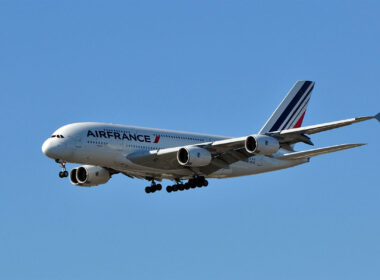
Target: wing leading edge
[295, 135]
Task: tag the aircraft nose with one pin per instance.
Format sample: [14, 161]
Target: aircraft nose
[47, 147]
[51, 149]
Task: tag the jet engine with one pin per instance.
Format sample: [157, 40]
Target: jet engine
[261, 144]
[89, 176]
[193, 156]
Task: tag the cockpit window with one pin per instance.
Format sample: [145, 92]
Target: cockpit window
[58, 136]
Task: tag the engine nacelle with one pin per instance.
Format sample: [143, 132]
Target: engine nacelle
[193, 156]
[89, 176]
[261, 144]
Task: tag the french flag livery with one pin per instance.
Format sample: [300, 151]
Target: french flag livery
[291, 111]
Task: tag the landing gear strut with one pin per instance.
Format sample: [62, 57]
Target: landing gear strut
[63, 173]
[191, 184]
[153, 187]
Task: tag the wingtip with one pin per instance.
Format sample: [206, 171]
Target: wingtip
[356, 145]
[378, 117]
[361, 144]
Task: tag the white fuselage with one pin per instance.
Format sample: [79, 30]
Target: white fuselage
[108, 145]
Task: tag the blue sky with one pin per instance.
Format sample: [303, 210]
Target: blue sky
[218, 67]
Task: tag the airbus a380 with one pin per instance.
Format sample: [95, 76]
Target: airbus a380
[189, 159]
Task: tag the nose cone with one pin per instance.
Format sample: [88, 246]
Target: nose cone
[47, 148]
[52, 149]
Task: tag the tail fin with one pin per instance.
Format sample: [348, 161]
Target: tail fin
[291, 111]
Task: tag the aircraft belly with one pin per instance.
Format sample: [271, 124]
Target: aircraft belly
[255, 165]
[115, 158]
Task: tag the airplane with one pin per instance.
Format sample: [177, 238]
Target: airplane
[106, 149]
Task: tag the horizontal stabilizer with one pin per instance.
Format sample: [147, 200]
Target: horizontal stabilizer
[317, 152]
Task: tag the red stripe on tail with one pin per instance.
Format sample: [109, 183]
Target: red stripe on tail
[299, 123]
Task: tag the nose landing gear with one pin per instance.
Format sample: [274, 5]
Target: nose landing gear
[63, 173]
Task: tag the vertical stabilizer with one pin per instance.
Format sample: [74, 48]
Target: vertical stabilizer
[291, 111]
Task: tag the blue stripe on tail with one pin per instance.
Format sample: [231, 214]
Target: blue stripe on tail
[291, 106]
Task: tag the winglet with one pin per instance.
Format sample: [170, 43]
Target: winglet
[378, 117]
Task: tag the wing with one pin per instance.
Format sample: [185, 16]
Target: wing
[224, 152]
[228, 151]
[295, 135]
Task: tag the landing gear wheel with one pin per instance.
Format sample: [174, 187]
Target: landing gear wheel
[205, 183]
[181, 187]
[63, 173]
[169, 189]
[186, 186]
[153, 187]
[175, 188]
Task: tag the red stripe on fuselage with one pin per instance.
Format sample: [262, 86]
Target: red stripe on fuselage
[299, 123]
[157, 139]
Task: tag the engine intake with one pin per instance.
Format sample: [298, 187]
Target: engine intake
[193, 156]
[89, 176]
[261, 144]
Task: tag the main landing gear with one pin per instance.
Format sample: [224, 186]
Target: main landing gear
[191, 184]
[179, 186]
[154, 187]
[63, 173]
